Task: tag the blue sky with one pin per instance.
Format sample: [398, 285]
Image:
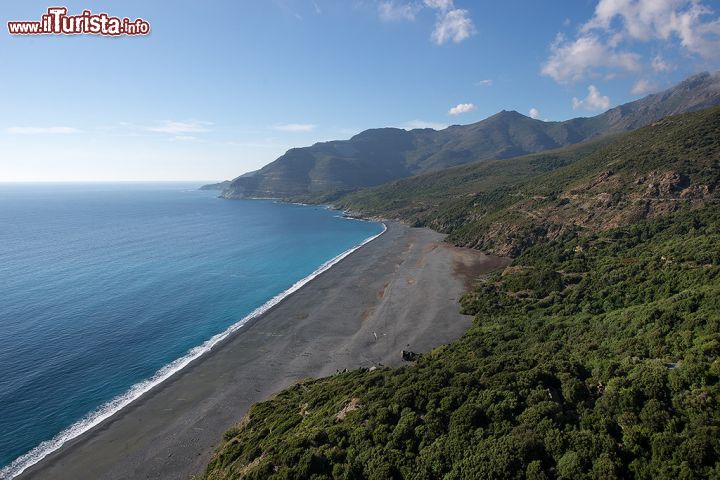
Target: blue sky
[223, 87]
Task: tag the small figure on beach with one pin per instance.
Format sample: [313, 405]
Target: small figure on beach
[408, 356]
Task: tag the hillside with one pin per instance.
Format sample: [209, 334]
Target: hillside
[217, 186]
[590, 357]
[594, 355]
[417, 200]
[382, 155]
[506, 206]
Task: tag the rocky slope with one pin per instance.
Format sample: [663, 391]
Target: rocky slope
[505, 207]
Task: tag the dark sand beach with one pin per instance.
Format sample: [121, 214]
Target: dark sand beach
[398, 292]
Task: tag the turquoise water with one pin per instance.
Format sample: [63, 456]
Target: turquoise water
[105, 285]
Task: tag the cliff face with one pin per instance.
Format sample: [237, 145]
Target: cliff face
[383, 155]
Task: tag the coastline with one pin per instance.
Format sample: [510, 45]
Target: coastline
[171, 429]
[106, 411]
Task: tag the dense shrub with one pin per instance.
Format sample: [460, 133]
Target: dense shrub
[611, 374]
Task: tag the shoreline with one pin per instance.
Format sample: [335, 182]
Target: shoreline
[114, 406]
[170, 431]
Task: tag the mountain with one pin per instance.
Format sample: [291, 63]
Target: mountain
[593, 355]
[217, 186]
[382, 155]
[507, 206]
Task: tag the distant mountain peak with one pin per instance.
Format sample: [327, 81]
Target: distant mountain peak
[382, 155]
[699, 79]
[508, 114]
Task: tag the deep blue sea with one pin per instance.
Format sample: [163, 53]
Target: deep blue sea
[102, 286]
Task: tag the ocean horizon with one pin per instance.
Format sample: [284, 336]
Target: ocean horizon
[110, 288]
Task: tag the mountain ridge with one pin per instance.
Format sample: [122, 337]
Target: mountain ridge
[382, 155]
[504, 207]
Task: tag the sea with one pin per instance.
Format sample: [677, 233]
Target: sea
[108, 289]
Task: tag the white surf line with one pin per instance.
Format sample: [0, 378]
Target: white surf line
[94, 418]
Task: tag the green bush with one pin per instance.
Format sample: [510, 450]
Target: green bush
[613, 374]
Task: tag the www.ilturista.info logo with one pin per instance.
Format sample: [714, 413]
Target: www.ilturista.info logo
[57, 22]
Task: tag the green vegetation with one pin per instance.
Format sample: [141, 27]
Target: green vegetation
[592, 356]
[444, 198]
[505, 206]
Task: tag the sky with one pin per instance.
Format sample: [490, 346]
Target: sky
[219, 88]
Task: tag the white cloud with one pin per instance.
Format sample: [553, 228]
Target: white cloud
[534, 113]
[571, 61]
[593, 102]
[485, 83]
[41, 130]
[391, 10]
[454, 25]
[643, 87]
[440, 4]
[645, 20]
[295, 127]
[185, 138]
[600, 48]
[412, 124]
[660, 65]
[179, 128]
[461, 108]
